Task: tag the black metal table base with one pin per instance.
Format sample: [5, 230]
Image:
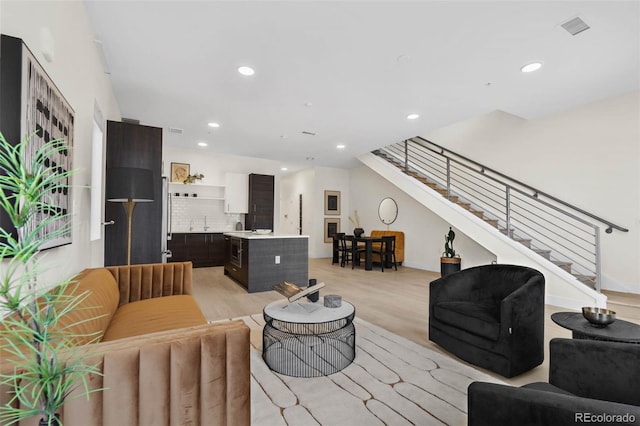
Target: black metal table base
[308, 350]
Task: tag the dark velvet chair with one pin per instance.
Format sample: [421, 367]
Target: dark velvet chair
[586, 378]
[491, 316]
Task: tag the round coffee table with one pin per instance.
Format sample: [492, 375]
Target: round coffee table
[304, 339]
[618, 331]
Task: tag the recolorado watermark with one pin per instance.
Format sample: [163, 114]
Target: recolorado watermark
[604, 418]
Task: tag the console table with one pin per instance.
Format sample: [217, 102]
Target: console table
[618, 331]
[304, 339]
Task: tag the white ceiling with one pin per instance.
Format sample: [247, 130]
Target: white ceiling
[351, 71]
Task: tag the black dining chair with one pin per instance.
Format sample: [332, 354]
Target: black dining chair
[346, 249]
[386, 251]
[337, 236]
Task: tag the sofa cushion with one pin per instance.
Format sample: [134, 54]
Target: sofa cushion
[152, 315]
[476, 317]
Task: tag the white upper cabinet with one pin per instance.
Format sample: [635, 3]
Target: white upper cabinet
[236, 194]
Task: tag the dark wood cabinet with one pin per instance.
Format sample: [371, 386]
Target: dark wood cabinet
[134, 145]
[261, 202]
[203, 249]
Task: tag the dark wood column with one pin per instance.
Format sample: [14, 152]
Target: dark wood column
[134, 145]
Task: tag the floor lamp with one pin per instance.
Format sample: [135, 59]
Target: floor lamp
[129, 186]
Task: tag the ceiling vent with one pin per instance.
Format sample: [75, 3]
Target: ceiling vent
[175, 130]
[304, 132]
[575, 26]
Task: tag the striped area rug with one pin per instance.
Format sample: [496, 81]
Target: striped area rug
[392, 381]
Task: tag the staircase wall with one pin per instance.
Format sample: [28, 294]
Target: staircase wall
[588, 156]
[562, 288]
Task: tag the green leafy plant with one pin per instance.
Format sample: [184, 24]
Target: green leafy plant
[193, 178]
[40, 367]
[448, 243]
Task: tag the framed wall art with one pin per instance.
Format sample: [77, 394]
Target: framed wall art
[332, 203]
[179, 172]
[331, 226]
[34, 107]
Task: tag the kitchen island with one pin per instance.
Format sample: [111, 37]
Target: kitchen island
[260, 261]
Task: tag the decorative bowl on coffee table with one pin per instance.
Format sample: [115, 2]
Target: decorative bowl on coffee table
[598, 317]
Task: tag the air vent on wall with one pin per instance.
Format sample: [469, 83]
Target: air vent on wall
[175, 130]
[130, 120]
[575, 26]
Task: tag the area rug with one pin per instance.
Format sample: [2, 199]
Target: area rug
[392, 381]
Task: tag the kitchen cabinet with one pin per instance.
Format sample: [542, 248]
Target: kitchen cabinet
[236, 193]
[203, 249]
[267, 260]
[261, 193]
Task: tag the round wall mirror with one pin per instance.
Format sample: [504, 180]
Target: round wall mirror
[388, 211]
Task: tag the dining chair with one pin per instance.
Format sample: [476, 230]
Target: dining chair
[386, 251]
[336, 247]
[346, 249]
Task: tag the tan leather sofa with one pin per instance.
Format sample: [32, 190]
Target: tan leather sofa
[162, 363]
[399, 244]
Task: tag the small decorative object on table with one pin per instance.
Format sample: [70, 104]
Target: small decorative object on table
[292, 292]
[332, 301]
[598, 317]
[313, 297]
[357, 231]
[449, 261]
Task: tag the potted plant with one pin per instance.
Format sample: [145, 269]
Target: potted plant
[449, 261]
[39, 367]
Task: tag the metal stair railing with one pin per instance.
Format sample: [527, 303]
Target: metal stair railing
[553, 228]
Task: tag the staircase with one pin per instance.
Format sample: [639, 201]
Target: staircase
[546, 227]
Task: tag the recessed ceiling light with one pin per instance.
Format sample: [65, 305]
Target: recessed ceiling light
[340, 146]
[203, 144]
[412, 116]
[246, 71]
[533, 66]
[284, 169]
[215, 125]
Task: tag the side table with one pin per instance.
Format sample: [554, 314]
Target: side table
[618, 331]
[304, 339]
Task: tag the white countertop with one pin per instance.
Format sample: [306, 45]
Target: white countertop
[254, 236]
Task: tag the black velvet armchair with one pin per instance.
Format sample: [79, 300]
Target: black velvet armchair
[590, 381]
[491, 316]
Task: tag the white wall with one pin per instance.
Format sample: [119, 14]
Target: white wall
[312, 183]
[588, 156]
[77, 71]
[424, 230]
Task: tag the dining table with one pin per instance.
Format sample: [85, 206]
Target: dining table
[368, 248]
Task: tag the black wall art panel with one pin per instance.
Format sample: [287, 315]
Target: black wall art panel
[32, 106]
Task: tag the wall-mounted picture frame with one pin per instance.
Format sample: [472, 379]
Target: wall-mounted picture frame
[179, 172]
[331, 226]
[34, 107]
[331, 203]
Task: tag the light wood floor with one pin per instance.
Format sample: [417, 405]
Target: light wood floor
[395, 300]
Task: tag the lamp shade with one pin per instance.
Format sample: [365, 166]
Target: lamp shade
[129, 183]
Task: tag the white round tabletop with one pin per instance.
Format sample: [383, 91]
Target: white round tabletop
[305, 312]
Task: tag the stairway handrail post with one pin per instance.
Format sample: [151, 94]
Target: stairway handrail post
[448, 178]
[406, 156]
[598, 282]
[508, 209]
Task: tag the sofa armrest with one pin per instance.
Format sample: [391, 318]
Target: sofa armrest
[596, 369]
[139, 282]
[196, 375]
[500, 405]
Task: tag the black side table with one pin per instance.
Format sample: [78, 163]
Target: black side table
[618, 331]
